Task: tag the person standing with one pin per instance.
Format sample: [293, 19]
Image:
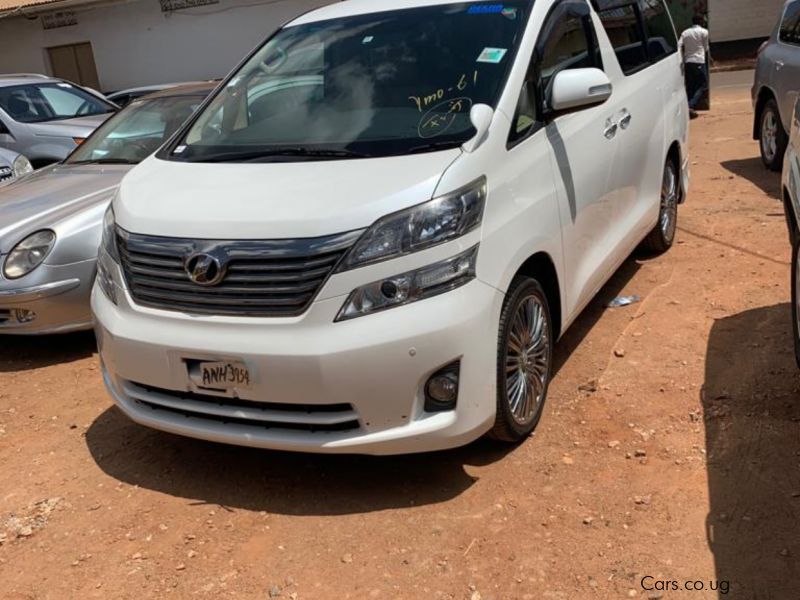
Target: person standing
[696, 54]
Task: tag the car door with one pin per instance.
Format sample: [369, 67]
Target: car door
[582, 146]
[786, 64]
[642, 74]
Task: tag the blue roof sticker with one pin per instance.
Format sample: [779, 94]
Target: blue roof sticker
[485, 9]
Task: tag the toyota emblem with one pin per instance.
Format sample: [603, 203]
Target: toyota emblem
[205, 269]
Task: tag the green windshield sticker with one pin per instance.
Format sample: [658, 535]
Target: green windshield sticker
[492, 55]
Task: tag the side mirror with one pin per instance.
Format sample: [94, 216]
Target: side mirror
[481, 116]
[579, 88]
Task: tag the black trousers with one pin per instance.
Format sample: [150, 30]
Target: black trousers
[696, 83]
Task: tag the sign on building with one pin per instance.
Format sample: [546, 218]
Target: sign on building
[173, 5]
[62, 18]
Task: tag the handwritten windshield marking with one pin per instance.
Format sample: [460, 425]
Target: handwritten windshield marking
[425, 101]
[441, 117]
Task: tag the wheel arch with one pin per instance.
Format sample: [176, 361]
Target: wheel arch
[540, 266]
[765, 94]
[791, 216]
[675, 154]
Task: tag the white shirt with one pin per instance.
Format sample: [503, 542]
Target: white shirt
[694, 42]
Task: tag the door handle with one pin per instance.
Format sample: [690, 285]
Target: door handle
[611, 129]
[625, 120]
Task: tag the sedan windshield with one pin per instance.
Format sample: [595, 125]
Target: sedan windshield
[40, 102]
[136, 131]
[380, 84]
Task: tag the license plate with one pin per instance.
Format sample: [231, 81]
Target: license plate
[221, 375]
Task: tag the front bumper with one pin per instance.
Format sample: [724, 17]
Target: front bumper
[370, 371]
[58, 297]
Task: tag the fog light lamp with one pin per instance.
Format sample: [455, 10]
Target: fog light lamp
[441, 390]
[24, 316]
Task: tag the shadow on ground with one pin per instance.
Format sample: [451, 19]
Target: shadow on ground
[755, 172]
[752, 419]
[279, 482]
[23, 353]
[304, 484]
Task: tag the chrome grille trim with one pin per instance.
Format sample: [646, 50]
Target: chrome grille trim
[264, 278]
[306, 417]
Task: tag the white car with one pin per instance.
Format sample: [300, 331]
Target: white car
[791, 205]
[380, 257]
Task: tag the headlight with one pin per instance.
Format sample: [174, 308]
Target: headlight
[411, 286]
[29, 254]
[109, 241]
[22, 166]
[434, 222]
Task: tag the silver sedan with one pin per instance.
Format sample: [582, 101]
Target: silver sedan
[51, 220]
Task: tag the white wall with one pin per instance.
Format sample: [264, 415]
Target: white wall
[136, 44]
[742, 19]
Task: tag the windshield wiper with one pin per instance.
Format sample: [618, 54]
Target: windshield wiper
[291, 151]
[105, 161]
[433, 146]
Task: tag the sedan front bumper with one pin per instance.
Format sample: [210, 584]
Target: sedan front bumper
[52, 299]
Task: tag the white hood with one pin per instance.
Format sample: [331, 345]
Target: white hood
[273, 200]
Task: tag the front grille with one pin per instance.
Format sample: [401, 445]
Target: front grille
[5, 173]
[311, 418]
[267, 278]
[5, 316]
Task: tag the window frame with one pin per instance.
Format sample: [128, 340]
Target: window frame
[533, 77]
[643, 31]
[654, 61]
[781, 40]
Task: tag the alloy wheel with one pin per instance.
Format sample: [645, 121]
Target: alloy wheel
[527, 359]
[769, 135]
[669, 202]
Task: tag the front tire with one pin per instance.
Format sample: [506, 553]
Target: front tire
[796, 296]
[661, 238]
[773, 139]
[524, 360]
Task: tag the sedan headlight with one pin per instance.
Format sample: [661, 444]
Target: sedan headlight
[409, 287]
[22, 166]
[29, 254]
[109, 240]
[434, 222]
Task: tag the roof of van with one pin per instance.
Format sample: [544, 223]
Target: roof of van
[350, 8]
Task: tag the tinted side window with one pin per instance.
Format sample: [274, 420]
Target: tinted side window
[790, 25]
[567, 41]
[625, 33]
[662, 40]
[566, 46]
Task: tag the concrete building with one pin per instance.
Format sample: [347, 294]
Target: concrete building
[115, 44]
[737, 20]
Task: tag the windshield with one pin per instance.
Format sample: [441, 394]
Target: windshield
[379, 84]
[136, 131]
[40, 102]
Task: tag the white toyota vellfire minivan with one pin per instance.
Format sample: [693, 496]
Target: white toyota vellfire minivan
[371, 236]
